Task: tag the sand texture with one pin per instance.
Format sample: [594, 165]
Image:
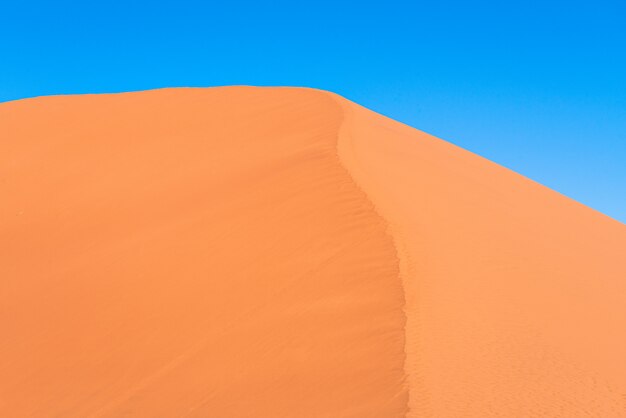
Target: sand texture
[283, 252]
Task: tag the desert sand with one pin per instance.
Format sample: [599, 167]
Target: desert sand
[283, 252]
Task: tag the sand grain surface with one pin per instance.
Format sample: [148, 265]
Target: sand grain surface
[282, 252]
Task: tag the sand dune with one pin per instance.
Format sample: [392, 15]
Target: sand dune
[282, 252]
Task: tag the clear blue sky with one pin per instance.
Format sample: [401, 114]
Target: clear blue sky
[537, 86]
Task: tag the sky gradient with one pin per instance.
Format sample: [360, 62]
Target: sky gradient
[539, 87]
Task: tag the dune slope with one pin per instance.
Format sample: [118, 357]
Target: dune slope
[282, 252]
[515, 294]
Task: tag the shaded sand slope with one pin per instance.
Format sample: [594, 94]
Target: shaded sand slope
[192, 253]
[277, 252]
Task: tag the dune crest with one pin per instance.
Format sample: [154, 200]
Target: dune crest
[283, 252]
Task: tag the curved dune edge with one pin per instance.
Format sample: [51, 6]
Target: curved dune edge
[365, 184]
[347, 155]
[514, 293]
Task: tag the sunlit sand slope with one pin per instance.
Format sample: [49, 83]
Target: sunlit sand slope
[516, 295]
[278, 252]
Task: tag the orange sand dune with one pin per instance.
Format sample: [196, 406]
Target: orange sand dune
[278, 252]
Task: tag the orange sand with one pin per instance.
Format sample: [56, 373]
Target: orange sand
[278, 252]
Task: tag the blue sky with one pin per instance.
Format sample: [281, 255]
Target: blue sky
[537, 86]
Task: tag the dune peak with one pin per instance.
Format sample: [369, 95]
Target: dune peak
[280, 252]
